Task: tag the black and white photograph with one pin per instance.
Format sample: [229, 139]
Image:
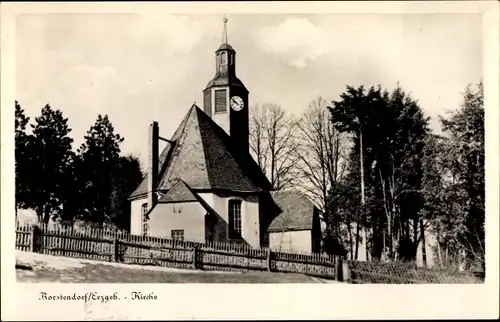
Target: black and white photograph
[165, 147]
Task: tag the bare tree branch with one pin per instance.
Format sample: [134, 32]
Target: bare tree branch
[273, 144]
[321, 152]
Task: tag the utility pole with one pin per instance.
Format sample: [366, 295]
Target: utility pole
[361, 162]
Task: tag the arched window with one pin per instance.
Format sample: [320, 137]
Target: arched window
[234, 208]
[144, 219]
[224, 58]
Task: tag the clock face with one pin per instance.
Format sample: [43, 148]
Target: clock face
[237, 103]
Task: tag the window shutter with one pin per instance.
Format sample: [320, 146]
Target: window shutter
[220, 101]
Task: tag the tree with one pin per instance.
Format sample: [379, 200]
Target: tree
[126, 176]
[71, 197]
[464, 130]
[321, 152]
[442, 211]
[98, 157]
[401, 172]
[354, 114]
[50, 154]
[321, 164]
[273, 143]
[22, 159]
[388, 134]
[344, 212]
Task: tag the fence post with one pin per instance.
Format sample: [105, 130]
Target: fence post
[337, 269]
[345, 271]
[116, 243]
[269, 260]
[34, 238]
[195, 257]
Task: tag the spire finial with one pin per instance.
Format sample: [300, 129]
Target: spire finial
[224, 34]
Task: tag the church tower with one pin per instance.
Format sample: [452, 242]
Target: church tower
[225, 98]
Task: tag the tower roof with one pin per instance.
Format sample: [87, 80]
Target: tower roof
[225, 46]
[225, 81]
[205, 157]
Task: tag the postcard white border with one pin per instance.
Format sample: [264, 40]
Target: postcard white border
[241, 301]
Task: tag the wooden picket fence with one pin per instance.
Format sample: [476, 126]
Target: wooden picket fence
[372, 272]
[107, 245]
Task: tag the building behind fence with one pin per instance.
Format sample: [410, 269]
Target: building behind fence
[107, 245]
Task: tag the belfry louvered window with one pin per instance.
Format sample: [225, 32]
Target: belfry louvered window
[220, 101]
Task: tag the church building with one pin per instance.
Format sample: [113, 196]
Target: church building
[205, 185]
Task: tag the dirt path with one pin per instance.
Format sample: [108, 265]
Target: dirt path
[46, 268]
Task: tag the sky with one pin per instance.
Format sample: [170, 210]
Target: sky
[153, 67]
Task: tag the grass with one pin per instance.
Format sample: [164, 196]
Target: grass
[46, 268]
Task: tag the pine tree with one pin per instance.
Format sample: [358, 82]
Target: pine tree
[50, 154]
[126, 176]
[98, 157]
[22, 159]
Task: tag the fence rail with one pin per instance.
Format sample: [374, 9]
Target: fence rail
[101, 244]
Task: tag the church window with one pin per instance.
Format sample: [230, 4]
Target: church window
[234, 206]
[145, 225]
[224, 58]
[220, 101]
[177, 234]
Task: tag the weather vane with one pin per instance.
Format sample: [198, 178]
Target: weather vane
[224, 34]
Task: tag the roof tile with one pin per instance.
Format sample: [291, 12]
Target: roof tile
[180, 192]
[205, 157]
[298, 211]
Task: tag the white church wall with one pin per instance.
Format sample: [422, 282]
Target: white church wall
[250, 222]
[192, 218]
[135, 216]
[208, 197]
[219, 226]
[249, 215]
[221, 229]
[291, 241]
[186, 216]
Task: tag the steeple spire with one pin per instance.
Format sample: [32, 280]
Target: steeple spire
[224, 32]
